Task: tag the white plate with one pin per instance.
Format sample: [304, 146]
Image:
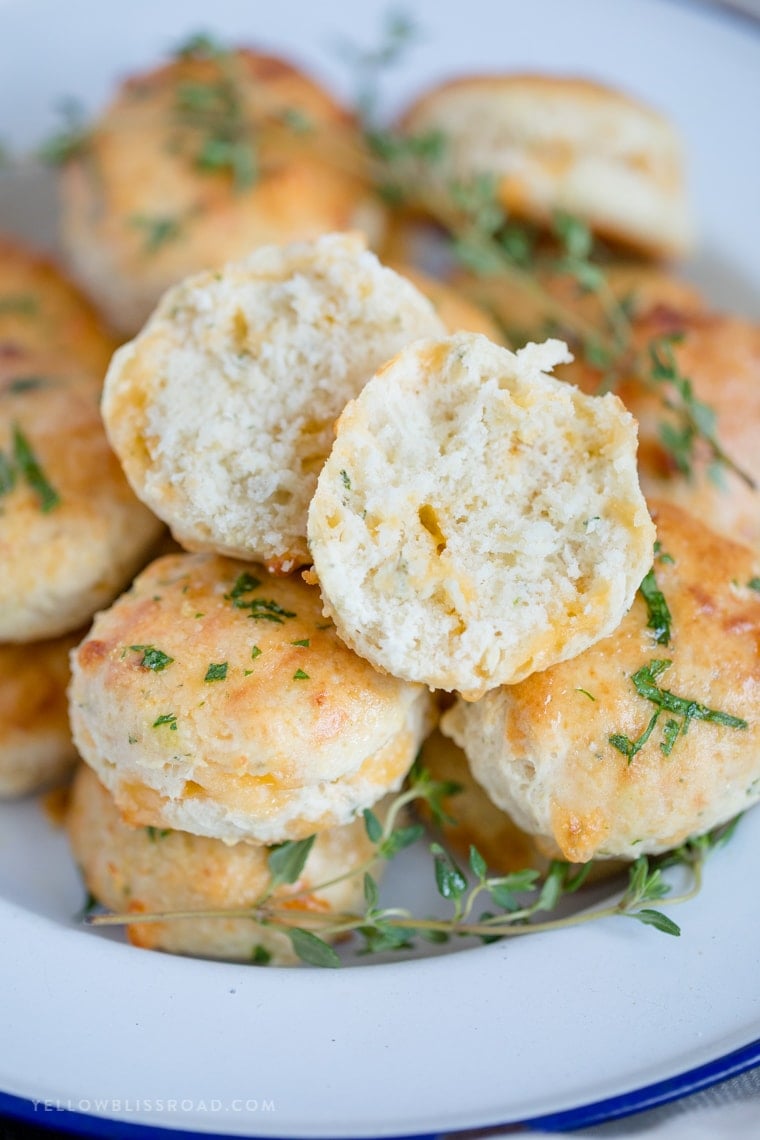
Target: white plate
[490, 1035]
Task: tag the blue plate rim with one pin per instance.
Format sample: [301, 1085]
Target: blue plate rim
[654, 1095]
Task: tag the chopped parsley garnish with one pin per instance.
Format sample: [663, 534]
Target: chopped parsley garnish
[645, 683]
[754, 584]
[660, 617]
[245, 583]
[586, 693]
[346, 480]
[303, 642]
[216, 672]
[28, 467]
[214, 114]
[20, 304]
[152, 658]
[662, 555]
[7, 475]
[155, 833]
[265, 610]
[166, 718]
[158, 230]
[27, 384]
[260, 956]
[299, 675]
[255, 652]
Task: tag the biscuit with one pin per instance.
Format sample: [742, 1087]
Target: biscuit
[36, 748]
[573, 753]
[222, 410]
[214, 699]
[42, 312]
[478, 520]
[720, 356]
[524, 313]
[147, 871]
[453, 306]
[557, 144]
[72, 534]
[201, 161]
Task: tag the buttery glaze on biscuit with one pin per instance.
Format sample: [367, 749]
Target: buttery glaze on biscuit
[153, 196]
[216, 699]
[146, 870]
[544, 749]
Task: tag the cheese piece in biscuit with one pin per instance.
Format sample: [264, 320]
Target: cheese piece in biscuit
[146, 870]
[650, 736]
[478, 520]
[36, 748]
[200, 161]
[72, 533]
[222, 410]
[215, 699]
[558, 144]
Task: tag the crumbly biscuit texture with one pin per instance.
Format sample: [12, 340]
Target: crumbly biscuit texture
[557, 144]
[552, 750]
[72, 533]
[36, 748]
[215, 699]
[149, 870]
[222, 410]
[478, 520]
[200, 161]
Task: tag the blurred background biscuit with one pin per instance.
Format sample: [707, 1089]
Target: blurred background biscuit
[216, 699]
[200, 161]
[560, 145]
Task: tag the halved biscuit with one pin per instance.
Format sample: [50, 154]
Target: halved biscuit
[222, 410]
[478, 520]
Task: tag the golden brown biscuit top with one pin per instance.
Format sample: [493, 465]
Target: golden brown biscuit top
[41, 311]
[215, 655]
[603, 701]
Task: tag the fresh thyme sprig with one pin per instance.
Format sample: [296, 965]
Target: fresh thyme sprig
[511, 902]
[72, 138]
[684, 710]
[212, 111]
[489, 243]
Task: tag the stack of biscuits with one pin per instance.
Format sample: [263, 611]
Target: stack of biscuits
[384, 518]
